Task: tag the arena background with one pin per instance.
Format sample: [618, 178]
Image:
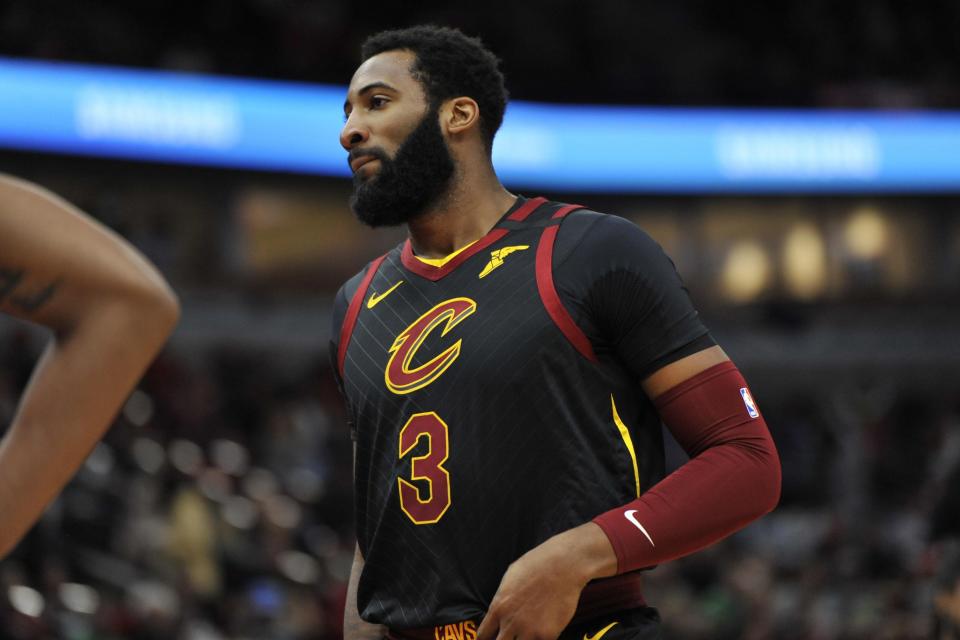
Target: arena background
[219, 505]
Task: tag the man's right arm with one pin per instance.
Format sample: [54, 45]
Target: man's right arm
[354, 627]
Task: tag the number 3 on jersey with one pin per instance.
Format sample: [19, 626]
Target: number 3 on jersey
[427, 467]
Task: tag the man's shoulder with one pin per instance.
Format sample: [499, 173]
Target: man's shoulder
[348, 289]
[598, 222]
[350, 286]
[593, 235]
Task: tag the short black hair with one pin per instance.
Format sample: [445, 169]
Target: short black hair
[449, 64]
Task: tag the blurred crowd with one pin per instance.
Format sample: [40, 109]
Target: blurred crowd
[219, 507]
[863, 53]
[864, 544]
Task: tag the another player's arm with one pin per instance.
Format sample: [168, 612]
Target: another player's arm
[110, 313]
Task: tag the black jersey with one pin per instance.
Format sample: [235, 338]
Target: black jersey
[495, 400]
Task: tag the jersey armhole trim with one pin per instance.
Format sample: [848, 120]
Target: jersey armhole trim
[353, 311]
[548, 292]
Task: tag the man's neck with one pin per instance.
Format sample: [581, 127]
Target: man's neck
[463, 215]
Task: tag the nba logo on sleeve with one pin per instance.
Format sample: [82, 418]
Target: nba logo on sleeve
[750, 404]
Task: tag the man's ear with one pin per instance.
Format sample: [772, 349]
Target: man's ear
[461, 115]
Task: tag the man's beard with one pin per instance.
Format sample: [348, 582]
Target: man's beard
[407, 185]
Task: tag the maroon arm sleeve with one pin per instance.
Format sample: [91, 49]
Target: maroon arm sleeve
[732, 477]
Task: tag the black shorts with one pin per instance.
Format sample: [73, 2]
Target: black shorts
[642, 623]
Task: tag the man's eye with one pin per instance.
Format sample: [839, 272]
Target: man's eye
[377, 102]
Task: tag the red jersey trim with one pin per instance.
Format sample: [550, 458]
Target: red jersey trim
[548, 292]
[353, 311]
[523, 212]
[433, 274]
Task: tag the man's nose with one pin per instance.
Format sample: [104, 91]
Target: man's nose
[352, 135]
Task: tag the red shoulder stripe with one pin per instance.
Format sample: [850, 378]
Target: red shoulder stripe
[523, 212]
[350, 320]
[548, 292]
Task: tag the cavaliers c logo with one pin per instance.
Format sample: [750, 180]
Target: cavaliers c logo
[402, 379]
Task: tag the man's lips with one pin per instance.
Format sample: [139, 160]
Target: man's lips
[359, 161]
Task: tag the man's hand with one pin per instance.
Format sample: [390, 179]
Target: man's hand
[538, 595]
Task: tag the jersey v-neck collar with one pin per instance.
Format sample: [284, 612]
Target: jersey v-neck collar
[439, 262]
[518, 212]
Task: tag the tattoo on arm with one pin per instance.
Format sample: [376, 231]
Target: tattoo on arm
[9, 279]
[29, 302]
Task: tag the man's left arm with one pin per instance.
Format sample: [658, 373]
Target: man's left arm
[732, 478]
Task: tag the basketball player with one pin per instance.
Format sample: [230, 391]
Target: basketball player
[506, 371]
[110, 312]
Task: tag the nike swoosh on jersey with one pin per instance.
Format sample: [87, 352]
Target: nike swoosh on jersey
[599, 634]
[376, 298]
[632, 517]
[497, 256]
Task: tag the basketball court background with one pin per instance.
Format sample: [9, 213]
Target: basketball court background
[796, 160]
